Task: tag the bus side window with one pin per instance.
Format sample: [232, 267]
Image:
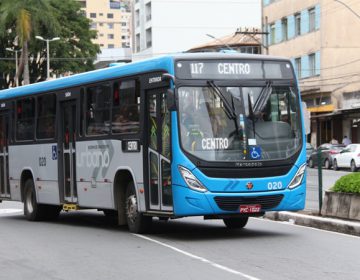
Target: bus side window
[126, 107]
[98, 109]
[25, 119]
[46, 109]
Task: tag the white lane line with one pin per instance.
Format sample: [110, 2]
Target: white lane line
[219, 266]
[10, 211]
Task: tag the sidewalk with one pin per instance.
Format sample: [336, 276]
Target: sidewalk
[309, 220]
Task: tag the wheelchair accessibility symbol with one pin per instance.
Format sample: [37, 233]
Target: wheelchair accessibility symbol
[255, 152]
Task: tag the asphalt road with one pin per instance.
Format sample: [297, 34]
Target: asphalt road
[85, 245]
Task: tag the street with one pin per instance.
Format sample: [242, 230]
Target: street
[85, 245]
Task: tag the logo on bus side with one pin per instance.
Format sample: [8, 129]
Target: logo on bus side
[94, 158]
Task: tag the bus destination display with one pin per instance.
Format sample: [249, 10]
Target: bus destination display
[246, 69]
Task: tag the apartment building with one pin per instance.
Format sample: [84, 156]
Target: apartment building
[112, 20]
[319, 37]
[162, 27]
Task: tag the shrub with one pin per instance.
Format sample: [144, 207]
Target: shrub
[349, 183]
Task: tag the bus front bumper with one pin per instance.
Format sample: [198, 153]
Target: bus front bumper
[188, 202]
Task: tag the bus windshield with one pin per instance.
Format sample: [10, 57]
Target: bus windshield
[239, 123]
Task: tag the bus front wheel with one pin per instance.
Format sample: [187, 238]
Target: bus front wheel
[235, 223]
[137, 222]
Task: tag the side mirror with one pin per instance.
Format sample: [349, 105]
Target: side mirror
[170, 100]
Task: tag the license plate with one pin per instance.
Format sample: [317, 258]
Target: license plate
[246, 209]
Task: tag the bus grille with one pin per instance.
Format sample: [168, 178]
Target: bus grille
[233, 203]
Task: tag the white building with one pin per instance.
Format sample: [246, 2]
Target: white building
[170, 26]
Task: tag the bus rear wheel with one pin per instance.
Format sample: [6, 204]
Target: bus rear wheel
[137, 222]
[236, 223]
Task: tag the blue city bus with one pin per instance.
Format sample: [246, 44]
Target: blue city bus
[213, 135]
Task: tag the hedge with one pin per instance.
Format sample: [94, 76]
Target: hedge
[349, 183]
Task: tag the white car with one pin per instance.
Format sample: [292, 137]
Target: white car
[348, 158]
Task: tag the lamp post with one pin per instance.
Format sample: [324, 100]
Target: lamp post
[47, 52]
[16, 64]
[217, 39]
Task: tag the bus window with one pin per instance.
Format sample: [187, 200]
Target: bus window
[126, 107]
[98, 109]
[25, 119]
[46, 117]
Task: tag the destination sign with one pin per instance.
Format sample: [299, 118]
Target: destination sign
[233, 69]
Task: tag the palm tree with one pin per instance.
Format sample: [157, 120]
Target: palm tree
[23, 17]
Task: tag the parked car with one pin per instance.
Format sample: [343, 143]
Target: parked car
[309, 151]
[328, 151]
[349, 157]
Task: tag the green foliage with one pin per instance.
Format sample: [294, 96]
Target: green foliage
[348, 183]
[73, 53]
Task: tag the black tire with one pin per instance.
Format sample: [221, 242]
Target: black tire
[311, 163]
[32, 210]
[235, 223]
[353, 167]
[136, 221]
[335, 166]
[327, 164]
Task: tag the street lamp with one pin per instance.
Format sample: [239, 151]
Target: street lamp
[16, 64]
[217, 39]
[47, 52]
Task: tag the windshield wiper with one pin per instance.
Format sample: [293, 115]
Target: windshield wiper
[230, 112]
[263, 98]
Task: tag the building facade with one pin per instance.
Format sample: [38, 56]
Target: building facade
[112, 20]
[318, 36]
[162, 27]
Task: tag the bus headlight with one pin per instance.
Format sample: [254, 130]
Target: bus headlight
[191, 181]
[298, 178]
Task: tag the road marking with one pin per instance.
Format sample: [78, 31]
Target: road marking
[219, 266]
[10, 211]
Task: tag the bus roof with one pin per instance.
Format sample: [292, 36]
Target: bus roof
[153, 64]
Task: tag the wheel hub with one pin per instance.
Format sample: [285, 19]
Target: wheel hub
[131, 208]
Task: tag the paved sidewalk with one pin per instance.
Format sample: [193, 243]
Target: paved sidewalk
[307, 219]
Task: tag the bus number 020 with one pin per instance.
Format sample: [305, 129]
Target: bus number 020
[274, 185]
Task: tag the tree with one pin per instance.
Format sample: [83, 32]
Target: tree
[23, 17]
[73, 53]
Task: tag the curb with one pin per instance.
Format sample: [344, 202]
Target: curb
[331, 224]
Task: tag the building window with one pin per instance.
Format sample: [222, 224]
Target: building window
[110, 15]
[148, 11]
[101, 24]
[110, 25]
[297, 24]
[101, 14]
[137, 42]
[284, 29]
[92, 15]
[272, 33]
[148, 38]
[312, 19]
[137, 18]
[111, 46]
[82, 4]
[110, 36]
[312, 65]
[298, 67]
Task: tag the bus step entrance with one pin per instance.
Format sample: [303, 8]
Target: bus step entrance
[70, 207]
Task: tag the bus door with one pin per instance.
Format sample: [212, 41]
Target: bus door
[4, 155]
[158, 152]
[67, 153]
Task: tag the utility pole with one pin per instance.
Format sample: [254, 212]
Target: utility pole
[16, 64]
[253, 34]
[47, 52]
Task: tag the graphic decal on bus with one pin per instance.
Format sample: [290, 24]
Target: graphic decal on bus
[98, 157]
